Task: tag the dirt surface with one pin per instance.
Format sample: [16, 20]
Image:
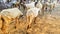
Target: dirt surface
[45, 25]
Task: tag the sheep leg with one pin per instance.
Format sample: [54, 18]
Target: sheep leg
[35, 20]
[28, 22]
[28, 19]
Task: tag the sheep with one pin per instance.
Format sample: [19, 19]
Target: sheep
[13, 12]
[30, 5]
[31, 14]
[9, 14]
[39, 5]
[53, 4]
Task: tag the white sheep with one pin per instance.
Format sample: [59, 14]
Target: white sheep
[39, 5]
[30, 5]
[13, 12]
[53, 4]
[31, 14]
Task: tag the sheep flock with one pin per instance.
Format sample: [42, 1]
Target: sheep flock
[13, 21]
